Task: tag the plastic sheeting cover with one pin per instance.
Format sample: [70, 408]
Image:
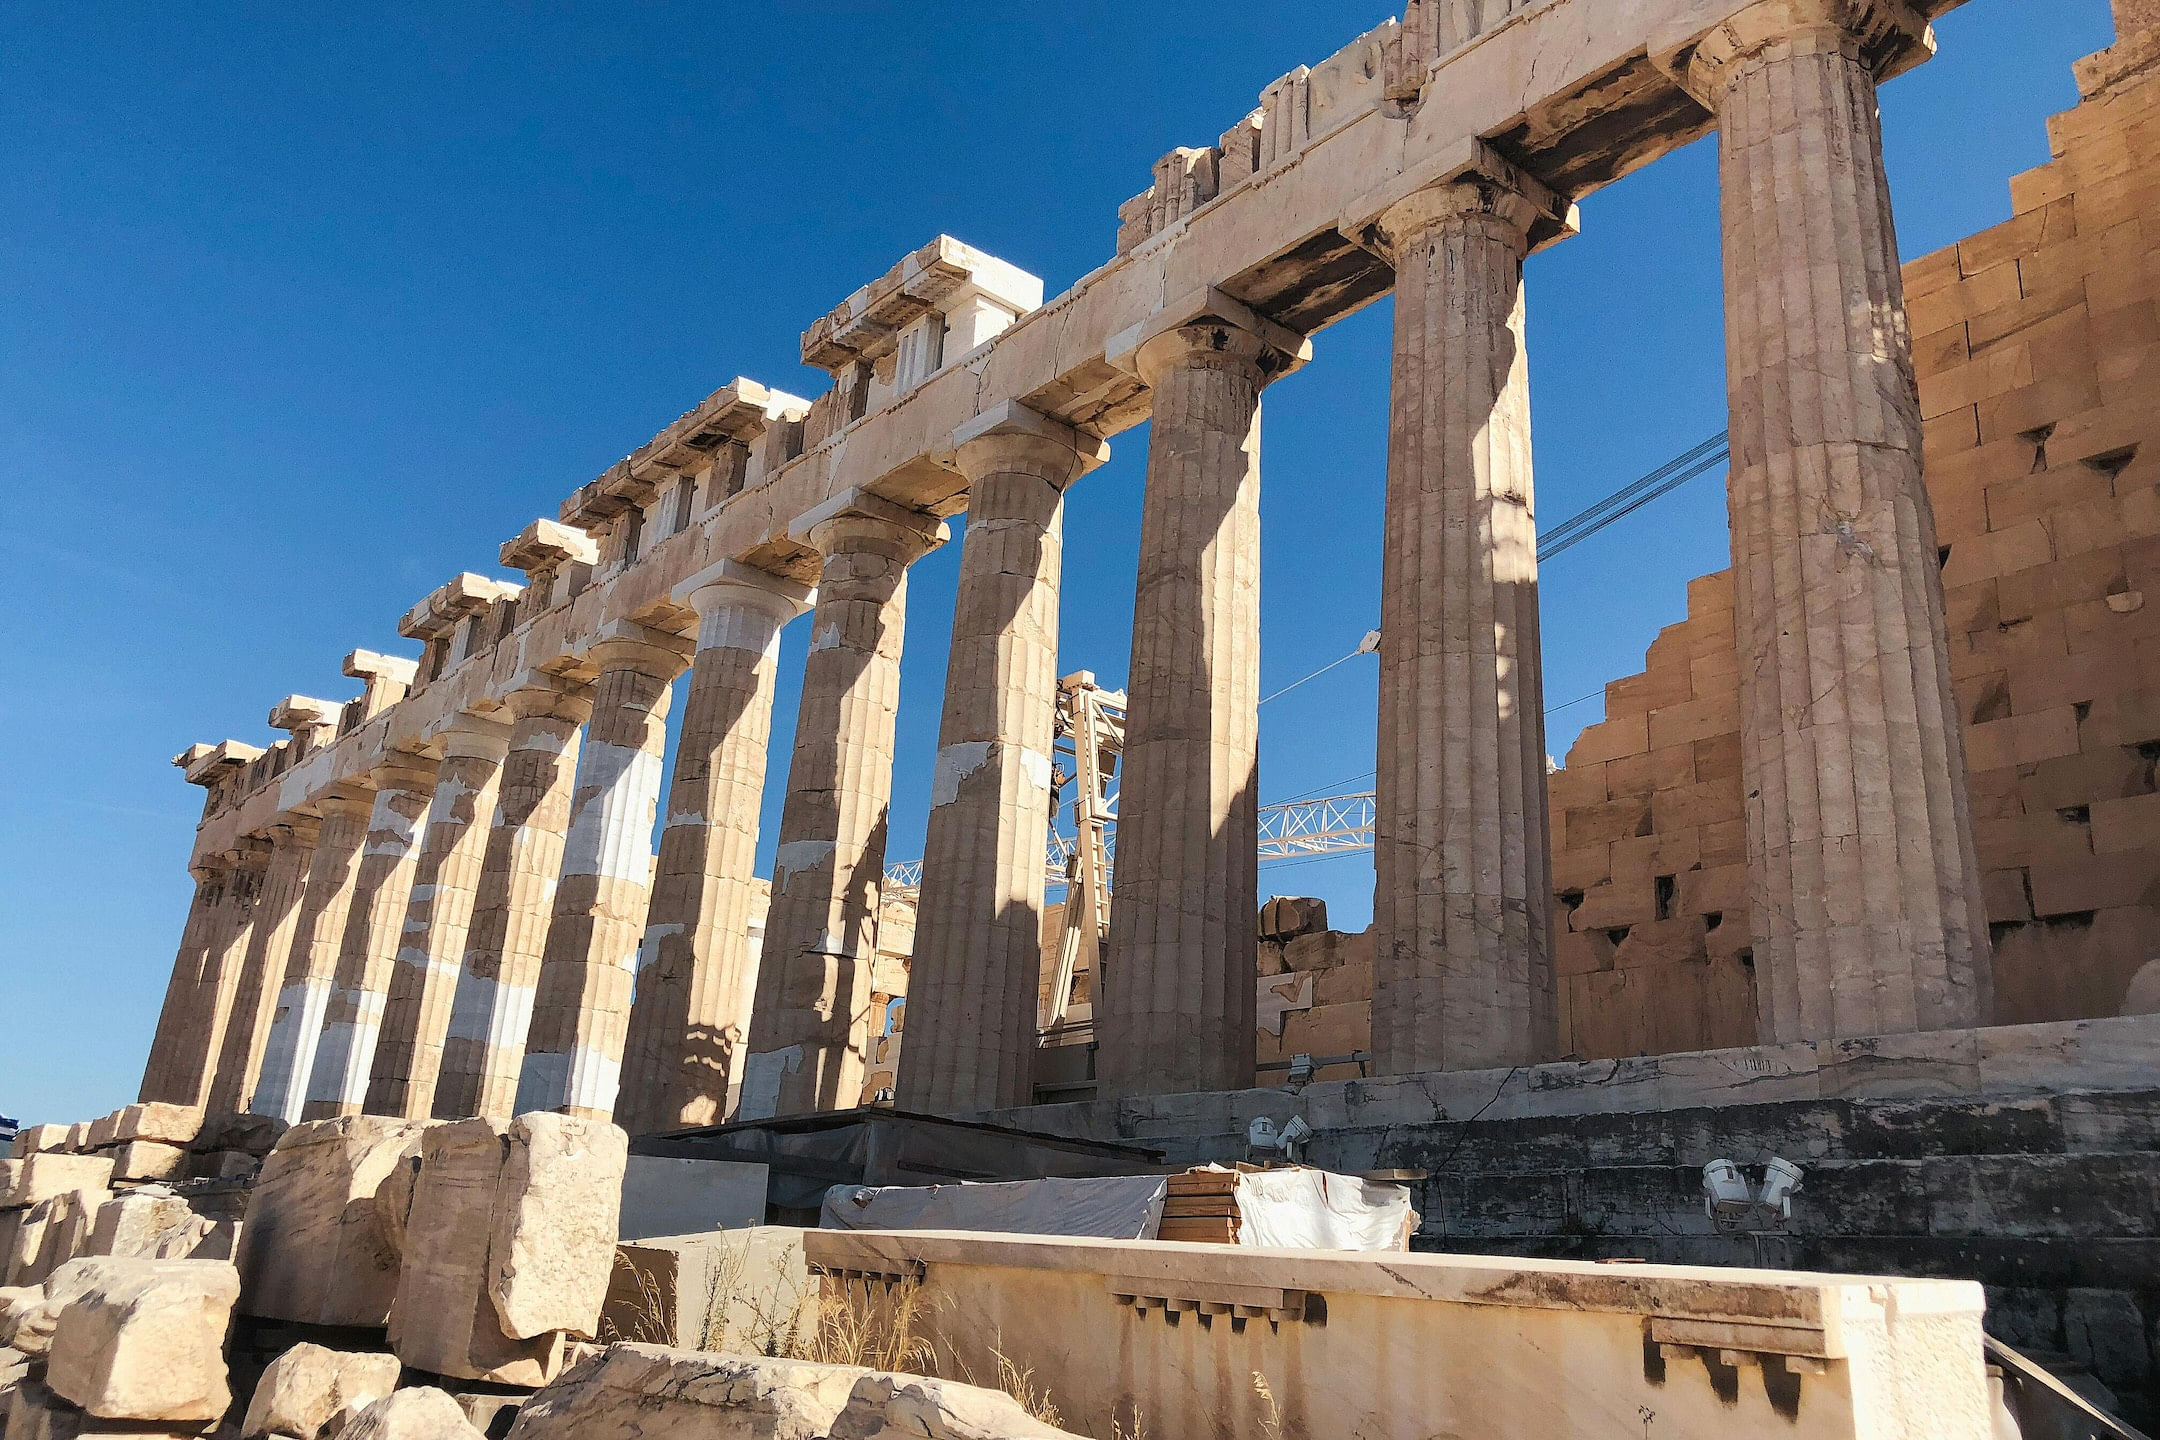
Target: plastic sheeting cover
[1305, 1209]
[1118, 1207]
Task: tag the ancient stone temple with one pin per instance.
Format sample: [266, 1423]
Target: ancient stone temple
[1865, 862]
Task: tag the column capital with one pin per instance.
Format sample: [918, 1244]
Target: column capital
[1011, 434]
[1206, 322]
[248, 853]
[857, 516]
[1479, 185]
[731, 583]
[1888, 36]
[405, 770]
[480, 737]
[292, 832]
[550, 697]
[627, 645]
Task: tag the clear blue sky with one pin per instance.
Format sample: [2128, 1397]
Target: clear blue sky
[304, 309]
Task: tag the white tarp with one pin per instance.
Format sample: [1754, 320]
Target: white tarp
[1117, 1207]
[1305, 1209]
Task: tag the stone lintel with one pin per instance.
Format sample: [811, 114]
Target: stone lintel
[1199, 307]
[1011, 418]
[546, 546]
[862, 505]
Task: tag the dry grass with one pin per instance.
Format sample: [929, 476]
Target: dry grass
[1271, 1423]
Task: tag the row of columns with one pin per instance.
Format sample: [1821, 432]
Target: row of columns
[363, 959]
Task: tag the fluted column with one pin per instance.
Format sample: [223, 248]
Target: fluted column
[438, 913]
[973, 981]
[1462, 900]
[178, 1017]
[493, 1005]
[1174, 1004]
[269, 944]
[1864, 885]
[809, 1026]
[581, 1008]
[699, 963]
[206, 974]
[311, 967]
[337, 1085]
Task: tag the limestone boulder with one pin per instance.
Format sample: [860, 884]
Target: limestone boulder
[890, 1407]
[157, 1227]
[306, 1387]
[148, 1160]
[18, 1303]
[157, 1123]
[445, 1320]
[632, 1392]
[33, 1138]
[422, 1413]
[393, 1198]
[41, 1176]
[556, 1218]
[747, 1291]
[51, 1233]
[313, 1249]
[146, 1341]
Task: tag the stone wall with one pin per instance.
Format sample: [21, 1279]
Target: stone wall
[2038, 350]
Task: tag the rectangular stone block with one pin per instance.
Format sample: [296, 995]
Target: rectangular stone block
[146, 1341]
[148, 1160]
[308, 1386]
[556, 1221]
[747, 1291]
[166, 1124]
[31, 1139]
[314, 1250]
[44, 1174]
[158, 1227]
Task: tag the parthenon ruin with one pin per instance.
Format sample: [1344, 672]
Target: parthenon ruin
[1851, 838]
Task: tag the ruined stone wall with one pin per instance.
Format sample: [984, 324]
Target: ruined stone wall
[2038, 349]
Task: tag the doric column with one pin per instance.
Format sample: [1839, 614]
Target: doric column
[1174, 1005]
[269, 943]
[1863, 880]
[311, 967]
[337, 1084]
[1462, 902]
[182, 1048]
[977, 964]
[494, 1000]
[810, 1021]
[699, 965]
[581, 1007]
[438, 913]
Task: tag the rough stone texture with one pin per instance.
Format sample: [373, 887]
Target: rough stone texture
[306, 1387]
[445, 1321]
[367, 950]
[700, 959]
[269, 943]
[810, 1022]
[311, 968]
[553, 1244]
[438, 916]
[1867, 916]
[44, 1174]
[30, 1411]
[744, 1291]
[158, 1227]
[581, 1006]
[888, 1407]
[630, 1392]
[421, 1413]
[1462, 912]
[140, 1160]
[978, 946]
[1173, 1006]
[33, 1138]
[146, 1341]
[313, 1249]
[493, 1003]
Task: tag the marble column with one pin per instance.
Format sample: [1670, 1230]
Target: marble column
[206, 976]
[337, 1084]
[581, 1006]
[493, 1004]
[699, 962]
[1174, 1004]
[179, 1018]
[269, 944]
[311, 968]
[438, 913]
[976, 971]
[809, 1026]
[1863, 881]
[1462, 899]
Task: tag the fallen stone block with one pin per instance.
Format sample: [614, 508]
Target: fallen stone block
[35, 1138]
[313, 1250]
[305, 1388]
[158, 1227]
[103, 1129]
[147, 1342]
[556, 1213]
[491, 1414]
[890, 1407]
[17, 1304]
[255, 1135]
[54, 1232]
[633, 1391]
[78, 1138]
[30, 1411]
[159, 1122]
[394, 1196]
[445, 1321]
[746, 1292]
[1288, 916]
[49, 1173]
[148, 1160]
[422, 1413]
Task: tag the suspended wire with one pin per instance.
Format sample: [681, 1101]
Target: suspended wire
[1629, 498]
